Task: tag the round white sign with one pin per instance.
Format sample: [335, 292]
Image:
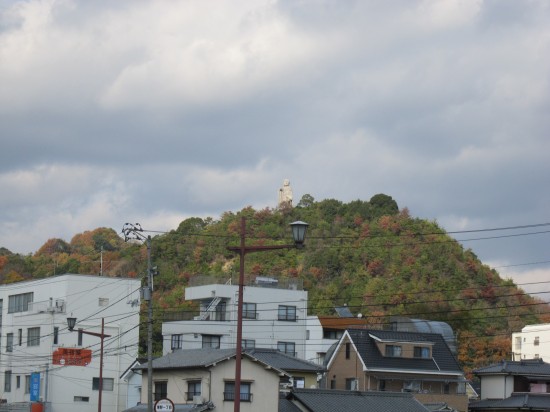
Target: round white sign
[164, 405]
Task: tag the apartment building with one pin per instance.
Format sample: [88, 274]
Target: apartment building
[533, 342]
[42, 361]
[274, 317]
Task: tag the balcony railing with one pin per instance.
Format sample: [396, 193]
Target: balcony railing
[250, 280]
[230, 396]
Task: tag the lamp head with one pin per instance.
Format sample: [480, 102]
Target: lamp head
[299, 233]
[71, 322]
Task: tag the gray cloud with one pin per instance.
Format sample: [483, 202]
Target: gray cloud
[154, 112]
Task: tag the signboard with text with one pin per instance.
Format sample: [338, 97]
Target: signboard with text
[72, 357]
[35, 387]
[164, 405]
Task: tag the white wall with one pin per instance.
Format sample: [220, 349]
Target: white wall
[524, 343]
[266, 330]
[81, 296]
[264, 385]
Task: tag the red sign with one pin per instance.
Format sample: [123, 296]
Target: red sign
[72, 357]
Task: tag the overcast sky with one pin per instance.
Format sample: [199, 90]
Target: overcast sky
[156, 111]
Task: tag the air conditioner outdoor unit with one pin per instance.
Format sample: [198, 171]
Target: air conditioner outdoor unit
[197, 399]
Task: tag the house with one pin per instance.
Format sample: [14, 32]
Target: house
[514, 386]
[274, 316]
[532, 342]
[206, 377]
[323, 400]
[131, 379]
[325, 331]
[43, 361]
[394, 361]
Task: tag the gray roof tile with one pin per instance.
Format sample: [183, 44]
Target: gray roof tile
[323, 400]
[200, 358]
[527, 401]
[524, 367]
[283, 361]
[442, 357]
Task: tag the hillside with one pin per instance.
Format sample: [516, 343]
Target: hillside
[370, 255]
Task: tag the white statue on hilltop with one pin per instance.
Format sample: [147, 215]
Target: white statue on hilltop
[285, 194]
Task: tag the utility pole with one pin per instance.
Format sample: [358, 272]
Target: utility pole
[299, 234]
[135, 231]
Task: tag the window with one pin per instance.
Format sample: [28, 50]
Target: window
[299, 382]
[33, 337]
[287, 347]
[421, 352]
[348, 350]
[108, 384]
[249, 310]
[193, 389]
[9, 342]
[211, 341]
[249, 343]
[333, 384]
[229, 392]
[287, 313]
[177, 342]
[220, 312]
[27, 383]
[351, 384]
[446, 388]
[393, 350]
[55, 335]
[80, 335]
[411, 386]
[81, 399]
[161, 390]
[103, 302]
[332, 334]
[7, 381]
[20, 336]
[382, 385]
[18, 381]
[19, 303]
[536, 342]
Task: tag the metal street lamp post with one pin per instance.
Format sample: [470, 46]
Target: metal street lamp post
[71, 322]
[298, 234]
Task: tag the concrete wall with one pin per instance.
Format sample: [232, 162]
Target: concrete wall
[496, 387]
[264, 385]
[266, 330]
[80, 295]
[532, 342]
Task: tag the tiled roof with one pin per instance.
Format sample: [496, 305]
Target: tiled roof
[442, 358]
[535, 367]
[527, 401]
[282, 361]
[285, 405]
[190, 358]
[200, 358]
[319, 400]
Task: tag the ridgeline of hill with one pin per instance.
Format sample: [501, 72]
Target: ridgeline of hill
[370, 255]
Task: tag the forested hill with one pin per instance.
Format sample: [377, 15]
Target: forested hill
[370, 255]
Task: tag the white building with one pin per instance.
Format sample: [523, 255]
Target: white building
[41, 360]
[533, 342]
[274, 316]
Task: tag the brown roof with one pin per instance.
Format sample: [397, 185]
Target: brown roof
[330, 322]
